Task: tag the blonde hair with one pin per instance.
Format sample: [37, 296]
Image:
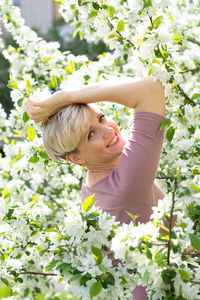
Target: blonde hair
[63, 131]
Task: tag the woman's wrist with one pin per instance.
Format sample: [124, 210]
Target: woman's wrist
[59, 100]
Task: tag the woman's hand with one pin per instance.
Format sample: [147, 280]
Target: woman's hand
[38, 111]
[41, 110]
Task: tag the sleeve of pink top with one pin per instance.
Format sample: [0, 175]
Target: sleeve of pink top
[139, 161]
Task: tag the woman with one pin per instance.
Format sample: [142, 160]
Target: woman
[121, 174]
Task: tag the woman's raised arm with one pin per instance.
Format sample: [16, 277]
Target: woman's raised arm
[142, 95]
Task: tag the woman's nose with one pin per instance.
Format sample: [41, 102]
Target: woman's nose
[108, 131]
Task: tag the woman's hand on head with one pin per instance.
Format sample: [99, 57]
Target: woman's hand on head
[38, 111]
[41, 110]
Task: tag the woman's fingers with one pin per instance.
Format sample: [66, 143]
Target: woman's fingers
[34, 112]
[35, 103]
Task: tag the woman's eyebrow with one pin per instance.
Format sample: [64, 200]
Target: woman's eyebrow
[88, 130]
[99, 115]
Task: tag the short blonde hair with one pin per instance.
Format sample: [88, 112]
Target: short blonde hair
[63, 131]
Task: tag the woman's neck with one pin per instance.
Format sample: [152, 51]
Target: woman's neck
[94, 176]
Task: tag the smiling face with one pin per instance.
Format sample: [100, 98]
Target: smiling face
[101, 145]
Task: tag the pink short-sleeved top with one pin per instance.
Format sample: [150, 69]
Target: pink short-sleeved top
[130, 187]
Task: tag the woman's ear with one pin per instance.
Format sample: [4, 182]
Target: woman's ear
[75, 159]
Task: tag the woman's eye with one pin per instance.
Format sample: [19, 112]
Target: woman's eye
[102, 117]
[90, 135]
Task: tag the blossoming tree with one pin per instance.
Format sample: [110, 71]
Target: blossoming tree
[51, 244]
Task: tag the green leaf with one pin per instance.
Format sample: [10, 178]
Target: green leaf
[30, 133]
[170, 133]
[95, 289]
[4, 292]
[97, 254]
[120, 25]
[53, 82]
[165, 277]
[84, 279]
[25, 117]
[51, 230]
[184, 274]
[88, 203]
[146, 276]
[12, 84]
[157, 22]
[195, 241]
[93, 14]
[177, 38]
[27, 84]
[147, 3]
[63, 267]
[109, 279]
[195, 96]
[5, 281]
[95, 5]
[133, 217]
[47, 58]
[4, 193]
[74, 277]
[60, 2]
[111, 10]
[164, 123]
[93, 216]
[71, 66]
[111, 36]
[52, 264]
[149, 254]
[35, 199]
[19, 102]
[196, 172]
[43, 154]
[165, 236]
[75, 32]
[34, 159]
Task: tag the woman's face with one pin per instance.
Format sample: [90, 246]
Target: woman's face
[102, 144]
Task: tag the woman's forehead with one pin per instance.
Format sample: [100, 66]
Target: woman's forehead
[93, 114]
[94, 109]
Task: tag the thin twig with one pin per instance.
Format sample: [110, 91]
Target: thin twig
[190, 70]
[164, 177]
[170, 231]
[193, 41]
[192, 281]
[190, 253]
[185, 95]
[58, 204]
[119, 33]
[170, 221]
[161, 244]
[36, 273]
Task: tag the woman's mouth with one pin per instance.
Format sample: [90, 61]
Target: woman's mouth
[114, 140]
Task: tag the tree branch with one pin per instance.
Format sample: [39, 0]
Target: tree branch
[170, 222]
[36, 273]
[161, 244]
[190, 39]
[192, 281]
[170, 231]
[165, 177]
[190, 70]
[185, 95]
[58, 204]
[119, 33]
